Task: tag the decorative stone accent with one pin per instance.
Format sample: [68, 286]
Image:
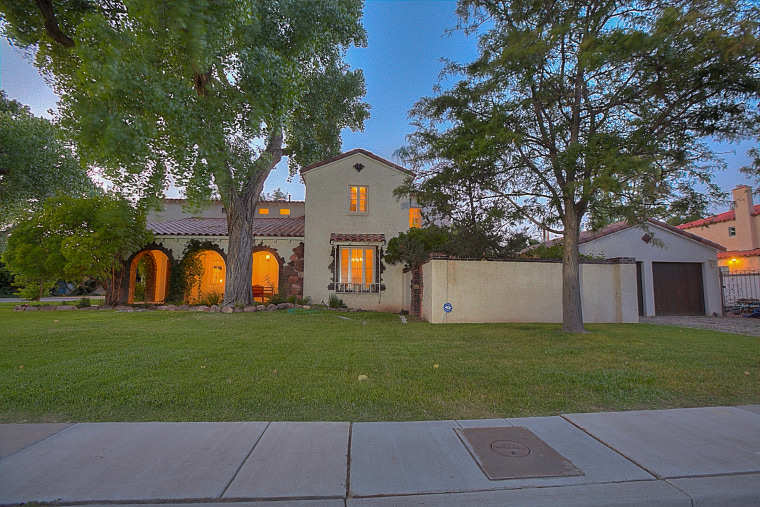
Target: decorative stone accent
[416, 303]
[271, 308]
[249, 309]
[261, 308]
[228, 309]
[238, 309]
[292, 272]
[214, 309]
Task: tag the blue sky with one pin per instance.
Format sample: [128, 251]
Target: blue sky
[401, 63]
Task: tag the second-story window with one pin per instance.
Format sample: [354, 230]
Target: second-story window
[415, 217]
[263, 211]
[732, 231]
[358, 199]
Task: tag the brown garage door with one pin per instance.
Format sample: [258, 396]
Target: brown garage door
[678, 288]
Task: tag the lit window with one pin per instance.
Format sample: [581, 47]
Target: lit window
[732, 231]
[263, 211]
[284, 211]
[358, 203]
[357, 270]
[415, 217]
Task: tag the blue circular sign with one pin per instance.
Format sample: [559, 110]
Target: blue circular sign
[447, 308]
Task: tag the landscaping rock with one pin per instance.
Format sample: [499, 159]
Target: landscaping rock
[271, 308]
[171, 308]
[214, 309]
[183, 308]
[238, 309]
[32, 308]
[89, 308]
[162, 308]
[105, 307]
[19, 308]
[249, 309]
[306, 307]
[123, 308]
[47, 308]
[261, 308]
[283, 306]
[201, 308]
[66, 307]
[228, 309]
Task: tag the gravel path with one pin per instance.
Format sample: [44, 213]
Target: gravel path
[738, 325]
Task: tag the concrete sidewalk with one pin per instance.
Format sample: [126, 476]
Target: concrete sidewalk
[700, 456]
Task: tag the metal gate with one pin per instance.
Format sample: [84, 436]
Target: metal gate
[741, 293]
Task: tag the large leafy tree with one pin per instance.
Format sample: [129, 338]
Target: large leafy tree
[207, 95]
[35, 163]
[590, 110]
[75, 238]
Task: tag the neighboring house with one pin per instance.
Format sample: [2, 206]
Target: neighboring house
[677, 272]
[331, 243]
[737, 229]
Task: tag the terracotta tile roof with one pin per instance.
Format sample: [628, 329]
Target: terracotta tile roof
[354, 152]
[363, 238]
[586, 236]
[739, 253]
[716, 219]
[274, 227]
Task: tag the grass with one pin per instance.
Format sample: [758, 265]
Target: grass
[74, 366]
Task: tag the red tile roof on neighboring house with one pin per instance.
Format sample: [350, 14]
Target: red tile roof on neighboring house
[273, 227]
[363, 238]
[716, 219]
[586, 236]
[354, 152]
[739, 253]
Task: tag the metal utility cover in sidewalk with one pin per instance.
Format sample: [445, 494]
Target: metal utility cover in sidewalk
[514, 453]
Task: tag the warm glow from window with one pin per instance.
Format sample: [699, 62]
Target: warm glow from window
[357, 266]
[263, 211]
[358, 202]
[284, 211]
[415, 217]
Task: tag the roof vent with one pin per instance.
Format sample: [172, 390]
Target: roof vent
[358, 167]
[646, 238]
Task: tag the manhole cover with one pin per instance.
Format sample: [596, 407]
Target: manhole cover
[514, 453]
[510, 448]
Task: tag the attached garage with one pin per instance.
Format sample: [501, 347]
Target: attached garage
[678, 288]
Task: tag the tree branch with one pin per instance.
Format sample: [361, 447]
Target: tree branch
[51, 24]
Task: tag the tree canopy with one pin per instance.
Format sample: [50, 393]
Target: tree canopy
[208, 96]
[35, 162]
[73, 239]
[588, 111]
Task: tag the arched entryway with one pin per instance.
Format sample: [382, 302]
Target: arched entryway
[214, 273]
[148, 277]
[266, 275]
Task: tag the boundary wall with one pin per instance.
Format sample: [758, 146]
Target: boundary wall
[525, 291]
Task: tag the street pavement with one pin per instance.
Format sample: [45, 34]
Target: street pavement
[690, 457]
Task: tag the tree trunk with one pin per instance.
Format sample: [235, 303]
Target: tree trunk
[237, 286]
[572, 308]
[240, 209]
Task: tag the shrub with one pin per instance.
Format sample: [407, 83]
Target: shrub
[335, 302]
[83, 303]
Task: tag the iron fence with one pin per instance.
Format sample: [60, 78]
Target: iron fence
[741, 293]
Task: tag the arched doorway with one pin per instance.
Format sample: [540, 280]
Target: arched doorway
[266, 275]
[212, 278]
[148, 277]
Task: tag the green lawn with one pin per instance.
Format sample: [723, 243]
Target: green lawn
[175, 366]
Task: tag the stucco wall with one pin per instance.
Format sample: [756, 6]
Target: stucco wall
[667, 247]
[327, 212]
[486, 291]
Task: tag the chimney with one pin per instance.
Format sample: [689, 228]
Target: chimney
[743, 208]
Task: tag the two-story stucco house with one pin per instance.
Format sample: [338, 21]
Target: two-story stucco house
[737, 229]
[331, 243]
